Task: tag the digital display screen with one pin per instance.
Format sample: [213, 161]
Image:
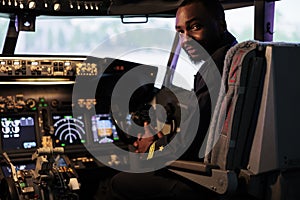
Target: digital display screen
[103, 129]
[68, 130]
[18, 132]
[26, 166]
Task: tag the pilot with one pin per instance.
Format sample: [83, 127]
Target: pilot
[198, 22]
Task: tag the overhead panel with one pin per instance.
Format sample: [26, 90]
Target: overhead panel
[103, 8]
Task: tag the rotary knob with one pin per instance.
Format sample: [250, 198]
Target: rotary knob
[31, 103]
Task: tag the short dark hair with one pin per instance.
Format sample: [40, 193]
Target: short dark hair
[213, 6]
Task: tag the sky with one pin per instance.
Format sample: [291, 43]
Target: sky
[288, 18]
[286, 22]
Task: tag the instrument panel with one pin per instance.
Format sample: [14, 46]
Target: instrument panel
[37, 99]
[49, 66]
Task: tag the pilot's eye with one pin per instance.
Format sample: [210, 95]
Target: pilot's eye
[196, 27]
[180, 31]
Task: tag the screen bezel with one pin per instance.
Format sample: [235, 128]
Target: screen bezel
[37, 136]
[66, 113]
[92, 133]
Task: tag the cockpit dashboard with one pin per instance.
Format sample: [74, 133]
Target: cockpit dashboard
[39, 97]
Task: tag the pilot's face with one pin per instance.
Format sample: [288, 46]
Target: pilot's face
[196, 26]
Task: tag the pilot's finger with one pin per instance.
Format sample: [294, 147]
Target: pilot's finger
[139, 136]
[146, 127]
[135, 144]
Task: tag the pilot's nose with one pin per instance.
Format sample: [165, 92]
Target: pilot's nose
[184, 38]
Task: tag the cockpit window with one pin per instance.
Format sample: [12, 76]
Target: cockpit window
[82, 35]
[287, 21]
[3, 24]
[240, 22]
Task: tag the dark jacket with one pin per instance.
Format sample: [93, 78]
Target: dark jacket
[201, 82]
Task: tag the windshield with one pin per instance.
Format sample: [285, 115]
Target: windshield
[103, 36]
[79, 35]
[3, 24]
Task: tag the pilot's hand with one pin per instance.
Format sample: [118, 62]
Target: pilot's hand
[144, 141]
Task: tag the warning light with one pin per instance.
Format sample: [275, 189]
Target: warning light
[119, 68]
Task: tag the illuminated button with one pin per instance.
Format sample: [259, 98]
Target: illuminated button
[32, 5]
[22, 185]
[57, 6]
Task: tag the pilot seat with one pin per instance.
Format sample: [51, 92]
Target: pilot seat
[252, 146]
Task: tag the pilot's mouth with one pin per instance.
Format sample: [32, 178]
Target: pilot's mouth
[192, 51]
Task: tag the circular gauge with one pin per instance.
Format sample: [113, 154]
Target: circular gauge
[68, 130]
[30, 103]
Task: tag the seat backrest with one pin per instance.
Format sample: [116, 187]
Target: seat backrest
[253, 144]
[276, 143]
[274, 158]
[255, 123]
[235, 116]
[254, 129]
